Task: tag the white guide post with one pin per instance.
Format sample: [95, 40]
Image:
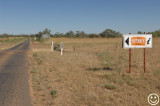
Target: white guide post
[61, 48]
[52, 46]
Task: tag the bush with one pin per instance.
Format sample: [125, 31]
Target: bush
[53, 93]
[157, 73]
[109, 33]
[109, 86]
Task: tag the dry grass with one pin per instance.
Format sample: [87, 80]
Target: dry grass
[93, 72]
[6, 43]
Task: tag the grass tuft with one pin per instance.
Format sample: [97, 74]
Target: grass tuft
[109, 77]
[157, 73]
[35, 54]
[33, 71]
[110, 86]
[53, 93]
[128, 80]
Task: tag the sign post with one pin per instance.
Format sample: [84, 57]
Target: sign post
[144, 59]
[137, 41]
[61, 48]
[130, 60]
[129, 57]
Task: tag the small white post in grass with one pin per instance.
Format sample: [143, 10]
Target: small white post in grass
[35, 38]
[52, 46]
[61, 48]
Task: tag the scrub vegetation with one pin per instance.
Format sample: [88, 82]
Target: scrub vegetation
[92, 72]
[8, 42]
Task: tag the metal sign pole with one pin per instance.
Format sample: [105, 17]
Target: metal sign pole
[129, 59]
[144, 59]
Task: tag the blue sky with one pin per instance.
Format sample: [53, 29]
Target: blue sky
[91, 16]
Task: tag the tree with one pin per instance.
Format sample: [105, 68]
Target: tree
[93, 35]
[109, 33]
[46, 31]
[5, 35]
[58, 35]
[70, 34]
[156, 33]
[139, 32]
[39, 35]
[80, 34]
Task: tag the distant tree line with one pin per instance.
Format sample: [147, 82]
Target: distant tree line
[108, 33]
[154, 34]
[5, 35]
[39, 35]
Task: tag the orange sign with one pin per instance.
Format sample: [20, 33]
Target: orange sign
[138, 41]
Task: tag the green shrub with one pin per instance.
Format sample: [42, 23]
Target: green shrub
[110, 86]
[157, 73]
[53, 93]
[35, 54]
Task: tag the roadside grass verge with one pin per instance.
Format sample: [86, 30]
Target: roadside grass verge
[6, 43]
[94, 73]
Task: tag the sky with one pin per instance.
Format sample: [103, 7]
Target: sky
[91, 16]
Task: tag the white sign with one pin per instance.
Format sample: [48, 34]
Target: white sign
[62, 45]
[137, 41]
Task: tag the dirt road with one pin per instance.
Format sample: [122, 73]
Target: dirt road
[14, 85]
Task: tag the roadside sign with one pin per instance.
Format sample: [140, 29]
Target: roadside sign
[137, 41]
[61, 45]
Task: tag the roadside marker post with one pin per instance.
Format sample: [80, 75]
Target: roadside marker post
[52, 46]
[61, 48]
[35, 38]
[137, 41]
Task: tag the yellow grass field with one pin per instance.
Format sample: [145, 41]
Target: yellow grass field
[9, 42]
[92, 72]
